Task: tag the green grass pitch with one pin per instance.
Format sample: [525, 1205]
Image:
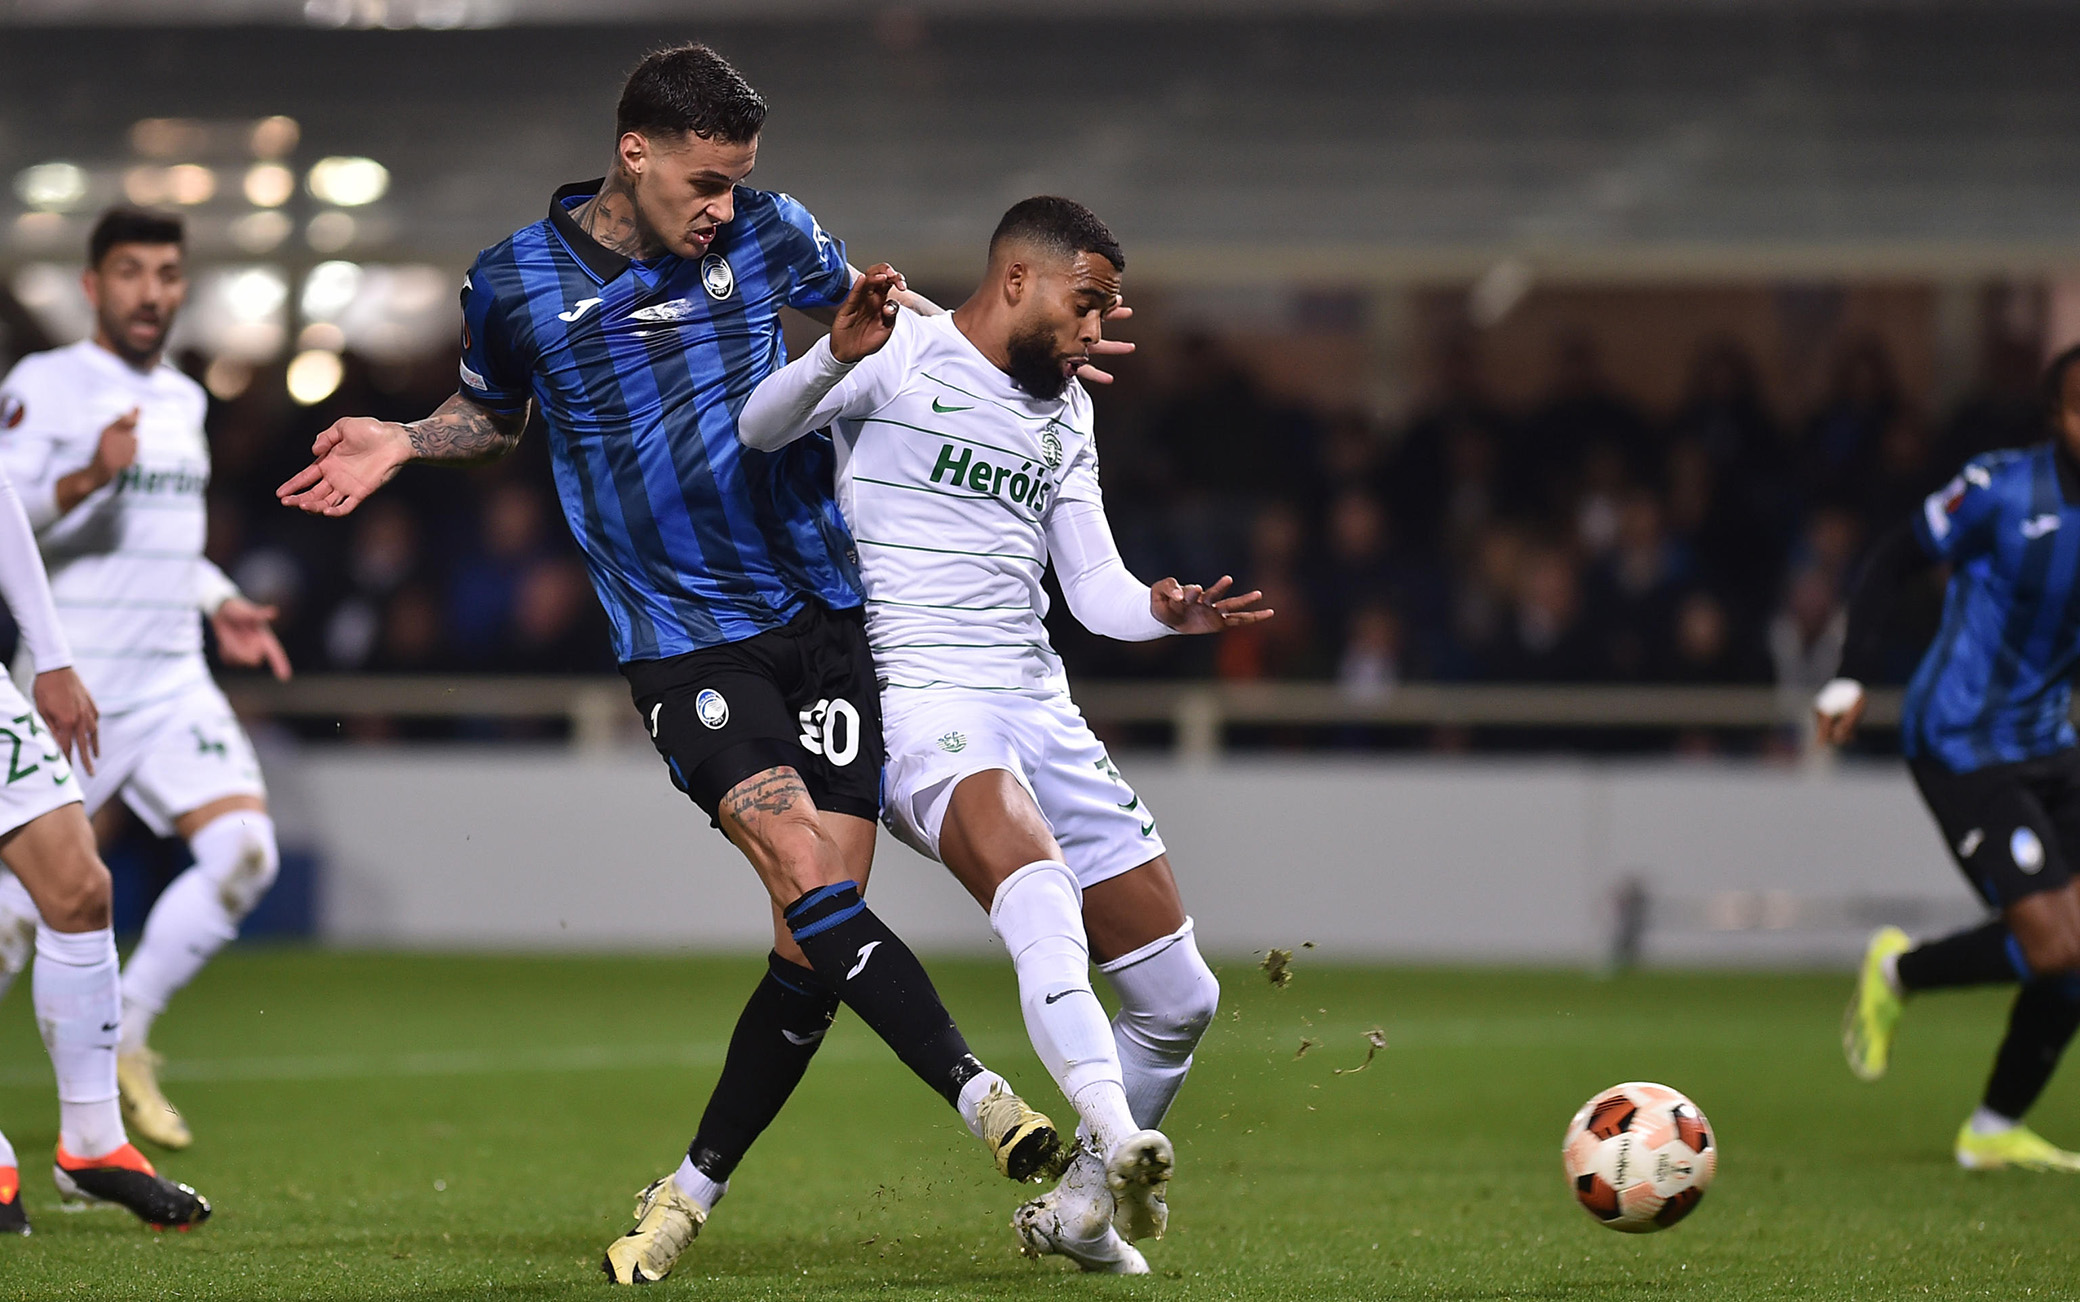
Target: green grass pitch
[383, 1126]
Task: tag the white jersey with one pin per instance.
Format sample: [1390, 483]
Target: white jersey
[947, 472]
[126, 563]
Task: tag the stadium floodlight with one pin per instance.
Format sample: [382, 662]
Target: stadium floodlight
[329, 232]
[269, 185]
[227, 378]
[261, 232]
[314, 376]
[329, 290]
[189, 184]
[275, 137]
[347, 182]
[51, 187]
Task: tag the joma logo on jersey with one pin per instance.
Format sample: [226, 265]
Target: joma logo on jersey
[961, 468]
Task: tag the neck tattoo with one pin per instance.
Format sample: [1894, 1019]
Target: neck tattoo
[610, 218]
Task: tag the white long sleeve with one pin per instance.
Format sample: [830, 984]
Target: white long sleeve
[25, 586]
[213, 587]
[1103, 593]
[805, 395]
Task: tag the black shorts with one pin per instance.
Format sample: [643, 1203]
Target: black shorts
[2008, 824]
[802, 696]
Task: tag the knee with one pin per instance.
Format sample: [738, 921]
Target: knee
[80, 899]
[800, 854]
[239, 853]
[1174, 1007]
[2057, 953]
[1194, 1013]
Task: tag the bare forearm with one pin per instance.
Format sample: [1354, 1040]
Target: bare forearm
[462, 432]
[72, 489]
[916, 302]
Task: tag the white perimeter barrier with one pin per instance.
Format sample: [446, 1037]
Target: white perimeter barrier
[1420, 859]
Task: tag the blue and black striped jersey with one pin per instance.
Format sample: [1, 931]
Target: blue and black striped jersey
[1995, 686]
[639, 370]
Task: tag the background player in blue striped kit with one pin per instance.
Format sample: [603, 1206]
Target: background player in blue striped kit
[637, 317]
[1989, 739]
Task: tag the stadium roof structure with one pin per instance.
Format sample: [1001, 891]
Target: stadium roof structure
[1633, 139]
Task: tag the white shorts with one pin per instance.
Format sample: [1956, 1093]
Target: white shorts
[935, 738]
[37, 778]
[173, 756]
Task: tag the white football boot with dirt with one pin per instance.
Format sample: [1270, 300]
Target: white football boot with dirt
[1138, 1173]
[1074, 1220]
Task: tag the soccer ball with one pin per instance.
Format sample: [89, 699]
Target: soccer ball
[1639, 1157]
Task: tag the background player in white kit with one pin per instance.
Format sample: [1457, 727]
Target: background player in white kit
[965, 461]
[104, 442]
[46, 841]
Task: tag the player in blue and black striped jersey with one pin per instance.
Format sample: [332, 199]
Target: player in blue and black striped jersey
[636, 318]
[1989, 739]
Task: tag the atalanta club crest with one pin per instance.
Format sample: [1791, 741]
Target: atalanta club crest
[712, 709]
[717, 278]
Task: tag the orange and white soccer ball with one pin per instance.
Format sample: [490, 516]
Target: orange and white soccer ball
[1639, 1157]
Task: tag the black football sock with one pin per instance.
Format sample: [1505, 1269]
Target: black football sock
[878, 977]
[1985, 955]
[777, 1034]
[2046, 1013]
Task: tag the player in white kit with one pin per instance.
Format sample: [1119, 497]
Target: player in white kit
[47, 843]
[104, 442]
[965, 462]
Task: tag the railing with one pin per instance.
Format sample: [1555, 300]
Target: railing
[1199, 714]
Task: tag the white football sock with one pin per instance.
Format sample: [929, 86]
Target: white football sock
[78, 1009]
[695, 1184]
[1985, 1121]
[18, 918]
[235, 862]
[1167, 999]
[969, 1104]
[1038, 914]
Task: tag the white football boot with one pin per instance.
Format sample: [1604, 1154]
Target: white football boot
[1074, 1220]
[1138, 1174]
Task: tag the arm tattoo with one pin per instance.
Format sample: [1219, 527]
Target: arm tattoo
[461, 432]
[610, 218]
[773, 792]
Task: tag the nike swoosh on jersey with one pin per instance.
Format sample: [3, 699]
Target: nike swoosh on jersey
[943, 410]
[866, 952]
[2038, 526]
[580, 308]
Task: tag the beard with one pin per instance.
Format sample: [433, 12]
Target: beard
[118, 335]
[1035, 366]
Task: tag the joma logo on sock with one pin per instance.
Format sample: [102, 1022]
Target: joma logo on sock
[866, 952]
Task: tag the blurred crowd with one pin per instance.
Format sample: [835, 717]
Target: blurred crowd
[1578, 538]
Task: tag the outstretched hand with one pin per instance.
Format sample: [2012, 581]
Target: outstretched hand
[352, 459]
[245, 636]
[1090, 374]
[1189, 608]
[867, 317]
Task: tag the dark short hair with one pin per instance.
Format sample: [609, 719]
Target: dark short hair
[2054, 382]
[1063, 225]
[689, 88]
[132, 226]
